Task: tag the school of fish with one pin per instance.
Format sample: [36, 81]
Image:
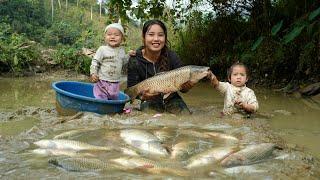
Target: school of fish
[147, 151]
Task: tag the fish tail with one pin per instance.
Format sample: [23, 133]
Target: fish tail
[131, 92]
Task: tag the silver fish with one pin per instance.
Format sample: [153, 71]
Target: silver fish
[144, 141]
[129, 152]
[209, 156]
[249, 155]
[194, 133]
[68, 144]
[149, 165]
[81, 164]
[70, 133]
[244, 170]
[226, 137]
[164, 134]
[168, 82]
[60, 152]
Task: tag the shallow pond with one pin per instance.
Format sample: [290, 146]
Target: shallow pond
[27, 114]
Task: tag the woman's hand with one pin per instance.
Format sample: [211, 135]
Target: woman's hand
[185, 87]
[94, 78]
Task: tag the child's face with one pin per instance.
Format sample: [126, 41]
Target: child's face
[113, 37]
[238, 76]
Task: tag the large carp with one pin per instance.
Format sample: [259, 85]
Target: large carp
[209, 156]
[81, 164]
[184, 149]
[68, 144]
[168, 82]
[249, 155]
[60, 152]
[149, 165]
[144, 141]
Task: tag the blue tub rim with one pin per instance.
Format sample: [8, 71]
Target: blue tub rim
[54, 86]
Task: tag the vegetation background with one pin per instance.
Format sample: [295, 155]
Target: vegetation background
[279, 40]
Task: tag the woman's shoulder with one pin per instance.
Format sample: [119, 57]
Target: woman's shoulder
[174, 60]
[172, 54]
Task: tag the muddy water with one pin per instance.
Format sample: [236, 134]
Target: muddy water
[27, 114]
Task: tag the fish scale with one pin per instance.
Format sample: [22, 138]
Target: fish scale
[149, 165]
[248, 155]
[68, 144]
[144, 141]
[80, 164]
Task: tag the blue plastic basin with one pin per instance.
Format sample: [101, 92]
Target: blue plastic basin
[78, 96]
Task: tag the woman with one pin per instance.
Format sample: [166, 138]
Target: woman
[154, 57]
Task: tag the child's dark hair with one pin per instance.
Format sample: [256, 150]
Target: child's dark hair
[164, 52]
[229, 72]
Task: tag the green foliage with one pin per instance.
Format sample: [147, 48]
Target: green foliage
[257, 43]
[314, 14]
[69, 58]
[293, 34]
[276, 28]
[17, 52]
[276, 39]
[61, 32]
[25, 16]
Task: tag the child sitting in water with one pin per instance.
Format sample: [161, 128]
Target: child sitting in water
[238, 97]
[106, 65]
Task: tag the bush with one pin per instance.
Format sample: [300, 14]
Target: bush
[17, 51]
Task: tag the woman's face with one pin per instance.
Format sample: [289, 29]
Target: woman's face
[155, 38]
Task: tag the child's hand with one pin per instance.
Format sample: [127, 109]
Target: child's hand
[239, 104]
[247, 107]
[94, 78]
[213, 79]
[132, 52]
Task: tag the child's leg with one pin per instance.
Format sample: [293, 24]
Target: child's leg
[99, 90]
[113, 90]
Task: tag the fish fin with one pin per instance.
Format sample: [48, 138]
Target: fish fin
[166, 95]
[131, 92]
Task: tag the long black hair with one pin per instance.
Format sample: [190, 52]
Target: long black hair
[163, 59]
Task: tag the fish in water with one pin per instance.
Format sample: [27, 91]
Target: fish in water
[68, 144]
[183, 149]
[226, 137]
[70, 133]
[168, 82]
[244, 170]
[60, 152]
[149, 165]
[164, 134]
[81, 164]
[209, 156]
[144, 141]
[249, 155]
